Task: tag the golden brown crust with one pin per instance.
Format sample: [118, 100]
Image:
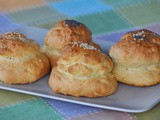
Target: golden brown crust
[21, 60]
[89, 88]
[83, 70]
[19, 37]
[52, 54]
[137, 51]
[131, 52]
[137, 76]
[63, 33]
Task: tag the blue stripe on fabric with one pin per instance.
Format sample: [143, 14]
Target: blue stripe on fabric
[75, 8]
[7, 24]
[69, 110]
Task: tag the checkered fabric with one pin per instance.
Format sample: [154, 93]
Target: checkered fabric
[107, 19]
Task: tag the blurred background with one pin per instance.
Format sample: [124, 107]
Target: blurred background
[103, 17]
[107, 19]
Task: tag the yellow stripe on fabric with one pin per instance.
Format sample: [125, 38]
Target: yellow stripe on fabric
[153, 114]
[11, 5]
[8, 97]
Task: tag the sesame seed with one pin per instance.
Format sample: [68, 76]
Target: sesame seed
[139, 36]
[15, 36]
[84, 46]
[72, 23]
[156, 34]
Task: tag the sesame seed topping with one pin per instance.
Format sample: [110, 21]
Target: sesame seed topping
[40, 60]
[156, 34]
[84, 46]
[72, 23]
[15, 36]
[139, 35]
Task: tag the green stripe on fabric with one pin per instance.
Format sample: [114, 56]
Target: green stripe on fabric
[48, 25]
[153, 114]
[104, 22]
[142, 14]
[34, 109]
[36, 15]
[8, 97]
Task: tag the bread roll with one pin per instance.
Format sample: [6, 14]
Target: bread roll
[136, 58]
[83, 70]
[20, 59]
[63, 33]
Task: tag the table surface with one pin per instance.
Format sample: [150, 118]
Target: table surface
[107, 19]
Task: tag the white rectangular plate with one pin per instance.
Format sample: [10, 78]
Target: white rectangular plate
[127, 98]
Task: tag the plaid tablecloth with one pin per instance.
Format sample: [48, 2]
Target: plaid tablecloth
[107, 19]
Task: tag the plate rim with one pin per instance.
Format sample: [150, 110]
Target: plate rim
[80, 102]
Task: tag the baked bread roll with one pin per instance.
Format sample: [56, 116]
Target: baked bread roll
[83, 70]
[63, 33]
[20, 59]
[136, 58]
